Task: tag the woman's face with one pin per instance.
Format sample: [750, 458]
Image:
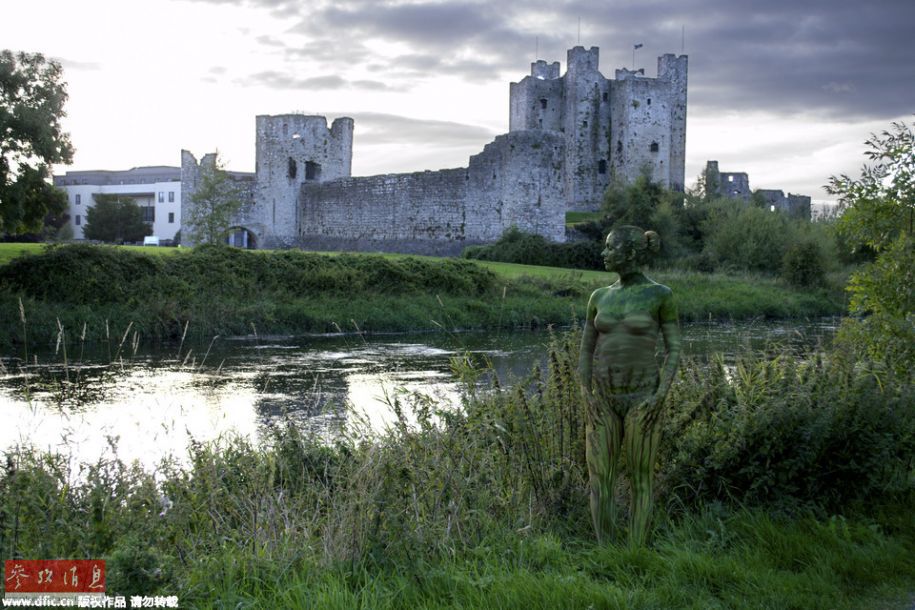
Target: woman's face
[615, 253]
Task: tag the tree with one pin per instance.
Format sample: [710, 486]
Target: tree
[115, 219]
[215, 203]
[879, 211]
[880, 206]
[32, 97]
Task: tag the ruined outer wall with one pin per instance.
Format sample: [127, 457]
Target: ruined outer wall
[393, 208]
[247, 217]
[516, 180]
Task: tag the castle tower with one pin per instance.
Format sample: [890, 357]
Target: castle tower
[648, 123]
[585, 122]
[673, 70]
[293, 149]
[612, 129]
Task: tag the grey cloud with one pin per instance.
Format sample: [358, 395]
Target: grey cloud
[837, 58]
[279, 80]
[382, 128]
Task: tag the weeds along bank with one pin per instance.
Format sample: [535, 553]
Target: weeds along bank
[783, 483]
[99, 291]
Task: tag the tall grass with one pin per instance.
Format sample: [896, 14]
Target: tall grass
[786, 484]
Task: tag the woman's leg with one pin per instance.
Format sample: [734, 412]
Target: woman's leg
[602, 449]
[641, 453]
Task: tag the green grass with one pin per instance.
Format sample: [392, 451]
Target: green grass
[228, 292]
[574, 218]
[9, 251]
[745, 559]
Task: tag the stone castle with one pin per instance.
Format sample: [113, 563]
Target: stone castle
[569, 136]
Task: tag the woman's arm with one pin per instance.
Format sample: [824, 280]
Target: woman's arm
[670, 330]
[588, 342]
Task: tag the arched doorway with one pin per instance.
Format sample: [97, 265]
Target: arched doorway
[241, 237]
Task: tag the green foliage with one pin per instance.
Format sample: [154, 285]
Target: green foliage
[883, 293]
[215, 203]
[634, 204]
[879, 212]
[741, 237]
[32, 98]
[880, 205]
[115, 219]
[515, 246]
[784, 433]
[803, 264]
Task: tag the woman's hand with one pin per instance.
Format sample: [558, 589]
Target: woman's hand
[649, 410]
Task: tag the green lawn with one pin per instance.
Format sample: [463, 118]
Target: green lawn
[10, 251]
[574, 218]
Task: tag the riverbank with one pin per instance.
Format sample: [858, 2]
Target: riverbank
[99, 293]
[487, 506]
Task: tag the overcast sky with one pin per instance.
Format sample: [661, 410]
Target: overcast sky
[786, 90]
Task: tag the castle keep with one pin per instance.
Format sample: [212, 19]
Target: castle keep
[569, 136]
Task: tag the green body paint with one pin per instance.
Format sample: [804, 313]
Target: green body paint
[622, 381]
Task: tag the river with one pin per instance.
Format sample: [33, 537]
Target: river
[149, 401]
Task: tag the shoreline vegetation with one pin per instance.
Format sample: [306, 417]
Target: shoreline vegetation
[782, 483]
[97, 292]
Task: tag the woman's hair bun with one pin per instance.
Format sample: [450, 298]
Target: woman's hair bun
[653, 242]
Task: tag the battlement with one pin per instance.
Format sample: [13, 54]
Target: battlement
[297, 126]
[626, 74]
[579, 58]
[544, 71]
[672, 67]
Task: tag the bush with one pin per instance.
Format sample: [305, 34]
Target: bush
[803, 265]
[88, 274]
[745, 238]
[821, 433]
[515, 246]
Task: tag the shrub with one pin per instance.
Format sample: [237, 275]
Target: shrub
[784, 432]
[804, 265]
[515, 246]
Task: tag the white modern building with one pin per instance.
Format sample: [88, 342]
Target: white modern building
[156, 189]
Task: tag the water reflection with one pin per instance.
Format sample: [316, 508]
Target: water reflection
[157, 400]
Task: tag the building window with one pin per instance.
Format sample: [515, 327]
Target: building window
[79, 199]
[292, 170]
[77, 220]
[649, 101]
[654, 147]
[602, 167]
[161, 197]
[149, 213]
[543, 103]
[312, 170]
[171, 218]
[171, 196]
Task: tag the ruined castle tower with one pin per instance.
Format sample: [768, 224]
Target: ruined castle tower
[292, 150]
[613, 129]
